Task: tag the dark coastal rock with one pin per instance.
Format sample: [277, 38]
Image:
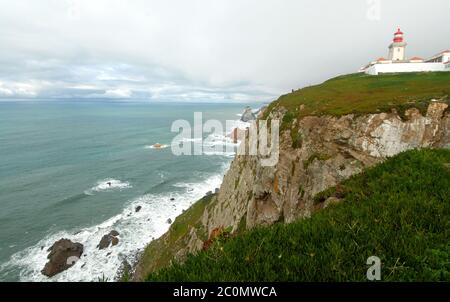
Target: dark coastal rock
[114, 233]
[138, 208]
[216, 191]
[109, 239]
[114, 241]
[172, 199]
[209, 193]
[169, 221]
[63, 255]
[104, 242]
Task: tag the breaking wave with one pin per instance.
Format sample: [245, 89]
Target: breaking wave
[136, 230]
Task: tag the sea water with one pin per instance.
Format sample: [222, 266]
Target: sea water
[78, 169]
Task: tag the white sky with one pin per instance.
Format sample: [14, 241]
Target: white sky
[201, 50]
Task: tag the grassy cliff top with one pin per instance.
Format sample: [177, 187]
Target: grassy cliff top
[361, 93]
[398, 211]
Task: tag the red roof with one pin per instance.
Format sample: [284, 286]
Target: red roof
[445, 51]
[399, 32]
[416, 58]
[381, 59]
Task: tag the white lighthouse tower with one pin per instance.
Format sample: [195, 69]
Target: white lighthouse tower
[397, 48]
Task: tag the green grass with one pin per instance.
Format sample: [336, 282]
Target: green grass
[398, 211]
[318, 156]
[361, 93]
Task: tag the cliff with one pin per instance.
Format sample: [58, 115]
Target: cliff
[320, 146]
[397, 211]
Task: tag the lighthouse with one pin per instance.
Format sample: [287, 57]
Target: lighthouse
[397, 48]
[397, 61]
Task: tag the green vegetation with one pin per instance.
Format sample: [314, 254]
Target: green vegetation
[297, 138]
[318, 156]
[361, 93]
[398, 211]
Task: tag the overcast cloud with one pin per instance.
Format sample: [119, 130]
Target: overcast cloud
[201, 50]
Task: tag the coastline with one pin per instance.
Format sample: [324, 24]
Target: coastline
[136, 230]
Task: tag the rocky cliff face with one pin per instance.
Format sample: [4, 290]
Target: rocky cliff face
[331, 149]
[316, 152]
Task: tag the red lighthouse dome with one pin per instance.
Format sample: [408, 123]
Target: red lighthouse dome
[398, 36]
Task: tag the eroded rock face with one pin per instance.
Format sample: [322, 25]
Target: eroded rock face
[63, 255]
[331, 150]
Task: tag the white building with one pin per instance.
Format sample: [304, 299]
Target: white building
[398, 62]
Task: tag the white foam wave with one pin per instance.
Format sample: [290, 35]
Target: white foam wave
[107, 185]
[136, 230]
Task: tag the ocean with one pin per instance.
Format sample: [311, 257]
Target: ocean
[56, 159]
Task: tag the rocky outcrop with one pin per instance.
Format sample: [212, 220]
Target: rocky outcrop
[63, 255]
[109, 240]
[248, 115]
[316, 153]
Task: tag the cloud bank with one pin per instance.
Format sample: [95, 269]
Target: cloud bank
[200, 50]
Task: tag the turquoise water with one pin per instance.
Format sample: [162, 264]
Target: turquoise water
[55, 158]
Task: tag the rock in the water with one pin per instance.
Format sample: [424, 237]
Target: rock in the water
[63, 255]
[138, 208]
[169, 221]
[172, 199]
[209, 193]
[248, 115]
[216, 191]
[109, 239]
[114, 241]
[114, 233]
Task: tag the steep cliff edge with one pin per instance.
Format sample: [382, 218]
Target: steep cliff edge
[318, 150]
[397, 211]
